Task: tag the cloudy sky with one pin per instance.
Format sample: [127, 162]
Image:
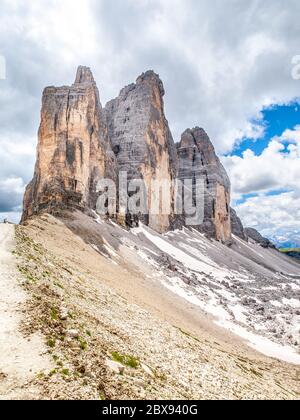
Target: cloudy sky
[226, 66]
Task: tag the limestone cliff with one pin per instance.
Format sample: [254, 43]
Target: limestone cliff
[73, 148]
[142, 141]
[198, 160]
[81, 143]
[254, 235]
[237, 226]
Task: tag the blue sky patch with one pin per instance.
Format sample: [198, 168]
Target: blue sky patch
[276, 120]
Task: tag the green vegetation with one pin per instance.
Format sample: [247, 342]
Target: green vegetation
[125, 360]
[291, 252]
[65, 372]
[83, 344]
[51, 342]
[102, 396]
[26, 273]
[56, 283]
[71, 315]
[54, 314]
[188, 334]
[287, 250]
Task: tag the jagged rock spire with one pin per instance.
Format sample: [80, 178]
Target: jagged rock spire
[141, 138]
[73, 150]
[84, 75]
[198, 160]
[151, 77]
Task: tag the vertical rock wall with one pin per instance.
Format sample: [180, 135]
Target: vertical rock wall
[237, 226]
[142, 141]
[73, 148]
[198, 160]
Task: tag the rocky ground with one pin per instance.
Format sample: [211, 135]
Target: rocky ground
[111, 332]
[250, 290]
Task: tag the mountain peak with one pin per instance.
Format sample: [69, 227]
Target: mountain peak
[84, 75]
[152, 77]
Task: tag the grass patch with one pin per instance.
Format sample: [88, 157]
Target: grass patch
[71, 315]
[54, 314]
[53, 372]
[188, 334]
[125, 360]
[286, 250]
[25, 272]
[256, 373]
[102, 396]
[51, 342]
[83, 344]
[58, 284]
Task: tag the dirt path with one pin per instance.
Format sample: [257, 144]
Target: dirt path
[20, 358]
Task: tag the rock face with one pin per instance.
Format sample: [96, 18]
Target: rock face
[237, 226]
[73, 149]
[81, 143]
[143, 144]
[258, 238]
[198, 160]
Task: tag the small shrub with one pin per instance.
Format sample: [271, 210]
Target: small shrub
[126, 360]
[51, 342]
[83, 344]
[65, 372]
[54, 314]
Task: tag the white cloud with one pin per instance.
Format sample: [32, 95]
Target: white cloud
[290, 136]
[13, 217]
[276, 217]
[11, 193]
[277, 168]
[221, 63]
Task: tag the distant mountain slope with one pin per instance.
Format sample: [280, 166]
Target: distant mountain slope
[291, 252]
